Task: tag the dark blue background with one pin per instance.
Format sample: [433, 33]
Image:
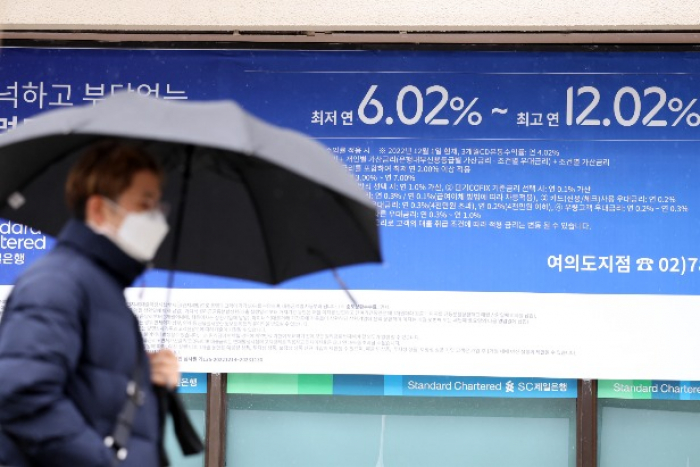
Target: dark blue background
[285, 87]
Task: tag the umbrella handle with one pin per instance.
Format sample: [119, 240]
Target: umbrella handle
[324, 259]
[343, 286]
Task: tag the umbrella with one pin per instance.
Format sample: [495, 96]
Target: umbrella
[254, 201]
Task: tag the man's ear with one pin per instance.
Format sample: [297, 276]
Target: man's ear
[95, 210]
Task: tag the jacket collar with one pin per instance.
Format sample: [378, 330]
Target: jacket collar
[101, 250]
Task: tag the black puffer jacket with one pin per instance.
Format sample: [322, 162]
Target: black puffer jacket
[68, 347]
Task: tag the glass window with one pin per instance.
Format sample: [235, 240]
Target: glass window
[652, 433]
[196, 407]
[378, 431]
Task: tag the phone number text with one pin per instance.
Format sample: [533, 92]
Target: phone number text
[623, 264]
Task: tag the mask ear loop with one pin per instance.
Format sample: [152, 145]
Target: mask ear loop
[113, 203]
[109, 229]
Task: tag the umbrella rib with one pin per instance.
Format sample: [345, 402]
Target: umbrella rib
[180, 213]
[340, 200]
[256, 209]
[177, 231]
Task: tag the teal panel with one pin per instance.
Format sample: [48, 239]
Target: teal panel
[195, 405]
[649, 433]
[379, 431]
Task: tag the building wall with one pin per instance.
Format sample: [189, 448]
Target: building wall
[352, 15]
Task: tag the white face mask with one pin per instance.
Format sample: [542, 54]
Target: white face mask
[140, 233]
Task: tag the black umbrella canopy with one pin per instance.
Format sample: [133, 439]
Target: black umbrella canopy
[251, 200]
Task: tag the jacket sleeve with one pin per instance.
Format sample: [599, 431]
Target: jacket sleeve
[40, 344]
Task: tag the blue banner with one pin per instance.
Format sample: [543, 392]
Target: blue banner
[454, 386]
[649, 390]
[493, 171]
[402, 385]
[192, 383]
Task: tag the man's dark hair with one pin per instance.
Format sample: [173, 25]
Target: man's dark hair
[107, 168]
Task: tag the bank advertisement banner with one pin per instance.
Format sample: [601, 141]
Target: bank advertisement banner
[398, 385]
[539, 212]
[649, 390]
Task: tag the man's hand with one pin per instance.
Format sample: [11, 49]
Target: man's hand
[164, 368]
